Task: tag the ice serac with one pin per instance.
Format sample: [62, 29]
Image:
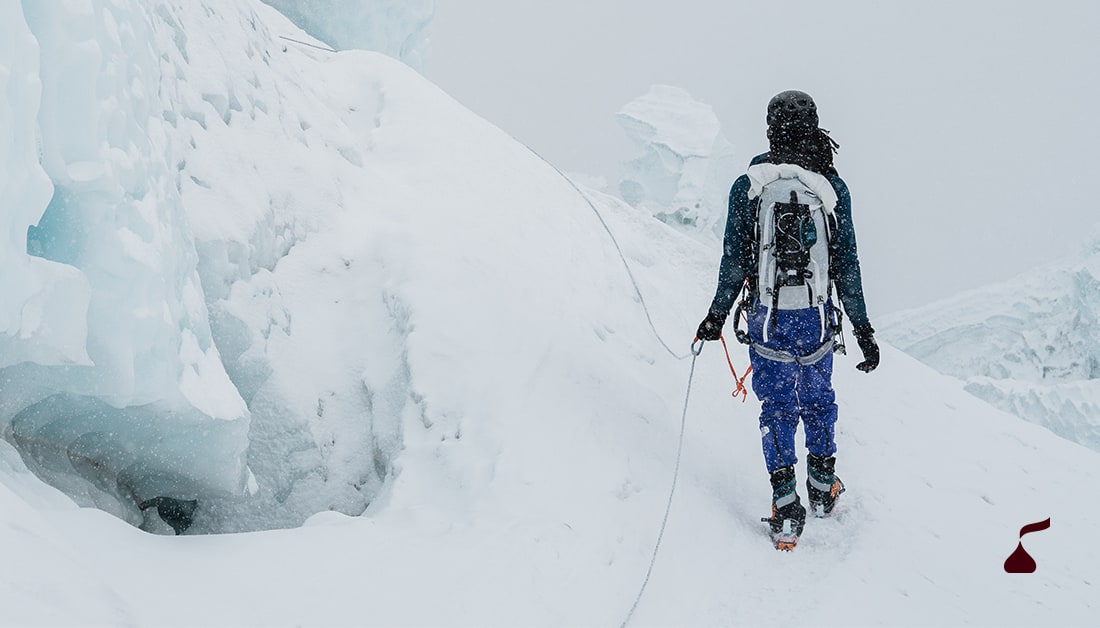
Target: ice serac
[208, 325]
[398, 28]
[44, 302]
[686, 167]
[132, 402]
[1030, 346]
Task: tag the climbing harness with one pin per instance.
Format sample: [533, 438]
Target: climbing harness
[832, 330]
[775, 355]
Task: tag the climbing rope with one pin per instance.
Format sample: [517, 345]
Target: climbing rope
[306, 43]
[672, 490]
[696, 349]
[739, 381]
[618, 249]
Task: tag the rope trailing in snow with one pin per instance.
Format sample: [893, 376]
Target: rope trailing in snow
[691, 375]
[618, 248]
[306, 43]
[672, 490]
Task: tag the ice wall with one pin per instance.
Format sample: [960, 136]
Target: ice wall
[188, 154]
[119, 394]
[686, 166]
[43, 304]
[398, 28]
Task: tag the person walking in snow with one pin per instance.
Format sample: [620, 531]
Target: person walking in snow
[789, 242]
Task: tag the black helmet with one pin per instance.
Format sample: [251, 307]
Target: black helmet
[792, 108]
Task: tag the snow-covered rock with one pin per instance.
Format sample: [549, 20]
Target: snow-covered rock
[1030, 346]
[686, 166]
[398, 28]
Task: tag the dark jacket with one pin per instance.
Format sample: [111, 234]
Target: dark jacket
[739, 250]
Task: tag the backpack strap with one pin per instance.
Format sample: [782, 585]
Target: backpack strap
[836, 317]
[754, 246]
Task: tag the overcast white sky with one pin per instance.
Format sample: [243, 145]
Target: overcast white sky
[970, 131]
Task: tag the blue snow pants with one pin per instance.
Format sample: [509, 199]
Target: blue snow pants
[788, 390]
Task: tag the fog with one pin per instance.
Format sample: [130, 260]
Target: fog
[968, 130]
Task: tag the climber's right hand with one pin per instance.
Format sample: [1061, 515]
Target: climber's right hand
[711, 327]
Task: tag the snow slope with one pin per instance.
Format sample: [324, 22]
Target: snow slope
[418, 302]
[920, 538]
[1030, 346]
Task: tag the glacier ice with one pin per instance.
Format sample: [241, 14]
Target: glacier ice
[190, 312]
[118, 394]
[398, 28]
[130, 227]
[1030, 346]
[686, 166]
[42, 312]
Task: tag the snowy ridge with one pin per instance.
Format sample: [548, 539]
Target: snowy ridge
[428, 322]
[1030, 346]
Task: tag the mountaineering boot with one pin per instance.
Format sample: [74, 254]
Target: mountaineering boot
[788, 515]
[822, 485]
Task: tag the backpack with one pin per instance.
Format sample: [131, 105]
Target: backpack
[795, 221]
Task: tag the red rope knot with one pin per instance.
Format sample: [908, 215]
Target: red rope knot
[739, 381]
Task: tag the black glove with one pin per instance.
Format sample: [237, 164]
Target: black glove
[865, 336]
[711, 327]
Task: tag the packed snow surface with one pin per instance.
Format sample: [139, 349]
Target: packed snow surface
[310, 288]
